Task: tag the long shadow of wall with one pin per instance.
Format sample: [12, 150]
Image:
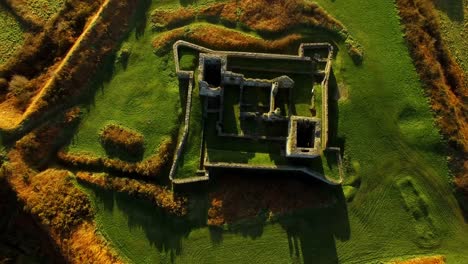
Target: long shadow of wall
[106, 70]
[163, 231]
[141, 17]
[453, 8]
[312, 233]
[333, 114]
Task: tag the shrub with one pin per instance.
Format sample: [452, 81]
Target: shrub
[20, 88]
[124, 54]
[422, 260]
[119, 140]
[29, 147]
[355, 51]
[18, 85]
[211, 12]
[215, 213]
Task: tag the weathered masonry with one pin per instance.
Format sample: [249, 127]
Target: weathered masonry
[265, 108]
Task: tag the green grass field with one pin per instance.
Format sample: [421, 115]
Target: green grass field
[143, 95]
[397, 165]
[11, 35]
[453, 21]
[44, 9]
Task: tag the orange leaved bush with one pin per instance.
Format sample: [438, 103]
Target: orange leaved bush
[65, 206]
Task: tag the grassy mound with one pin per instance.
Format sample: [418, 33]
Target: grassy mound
[417, 204]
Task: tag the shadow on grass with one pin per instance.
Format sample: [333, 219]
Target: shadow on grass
[231, 99]
[115, 151]
[141, 18]
[333, 114]
[453, 8]
[107, 69]
[312, 233]
[187, 2]
[163, 231]
[462, 199]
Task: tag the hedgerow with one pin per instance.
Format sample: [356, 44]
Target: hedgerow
[148, 168]
[221, 38]
[159, 195]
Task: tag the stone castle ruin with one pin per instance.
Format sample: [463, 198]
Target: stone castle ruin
[304, 137]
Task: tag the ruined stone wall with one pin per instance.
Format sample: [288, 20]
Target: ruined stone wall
[183, 141]
[251, 82]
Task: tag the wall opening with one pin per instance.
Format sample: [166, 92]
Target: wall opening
[305, 134]
[212, 72]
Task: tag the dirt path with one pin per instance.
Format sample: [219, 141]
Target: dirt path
[31, 109]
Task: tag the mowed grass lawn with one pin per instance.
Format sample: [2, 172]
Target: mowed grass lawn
[11, 35]
[389, 135]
